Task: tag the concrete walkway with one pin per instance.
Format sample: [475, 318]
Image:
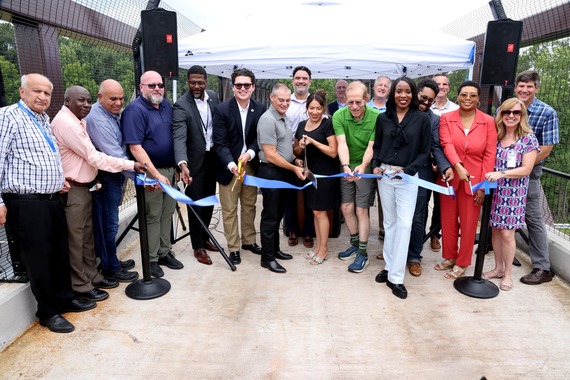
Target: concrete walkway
[314, 322]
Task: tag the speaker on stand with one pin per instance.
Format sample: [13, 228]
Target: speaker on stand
[501, 52]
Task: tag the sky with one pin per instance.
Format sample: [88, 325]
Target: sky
[210, 14]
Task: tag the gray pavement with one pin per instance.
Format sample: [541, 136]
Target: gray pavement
[314, 322]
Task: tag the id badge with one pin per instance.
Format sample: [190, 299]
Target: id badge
[511, 159]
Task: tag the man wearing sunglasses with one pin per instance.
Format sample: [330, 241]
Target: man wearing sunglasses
[194, 154]
[544, 122]
[235, 141]
[427, 93]
[147, 129]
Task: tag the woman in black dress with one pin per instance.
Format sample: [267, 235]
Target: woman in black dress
[316, 135]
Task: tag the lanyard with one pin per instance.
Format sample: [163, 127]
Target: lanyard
[37, 123]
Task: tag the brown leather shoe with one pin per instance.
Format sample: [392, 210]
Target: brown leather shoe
[537, 277]
[210, 246]
[415, 269]
[435, 245]
[202, 256]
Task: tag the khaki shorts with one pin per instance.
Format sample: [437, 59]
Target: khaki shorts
[362, 192]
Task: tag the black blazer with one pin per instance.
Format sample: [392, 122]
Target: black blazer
[229, 135]
[188, 133]
[332, 107]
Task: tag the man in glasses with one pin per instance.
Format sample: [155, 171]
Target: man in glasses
[441, 105]
[427, 93]
[235, 142]
[147, 129]
[544, 122]
[194, 154]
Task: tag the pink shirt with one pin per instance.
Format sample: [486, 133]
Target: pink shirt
[79, 157]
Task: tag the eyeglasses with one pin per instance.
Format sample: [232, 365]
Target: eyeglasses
[239, 86]
[508, 112]
[196, 83]
[464, 95]
[425, 99]
[152, 86]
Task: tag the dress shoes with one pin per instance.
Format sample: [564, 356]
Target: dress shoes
[128, 264]
[210, 246]
[57, 324]
[399, 290]
[382, 276]
[94, 295]
[156, 270]
[235, 257]
[537, 277]
[106, 283]
[415, 268]
[202, 256]
[123, 275]
[78, 305]
[282, 255]
[273, 266]
[170, 261]
[252, 248]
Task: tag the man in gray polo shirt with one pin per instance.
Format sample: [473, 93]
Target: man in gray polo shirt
[276, 158]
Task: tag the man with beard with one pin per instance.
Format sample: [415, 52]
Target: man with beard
[147, 129]
[194, 154]
[80, 162]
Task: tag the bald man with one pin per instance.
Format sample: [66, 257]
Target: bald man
[80, 162]
[147, 127]
[104, 129]
[31, 183]
[340, 92]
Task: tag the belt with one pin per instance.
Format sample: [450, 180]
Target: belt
[43, 197]
[79, 184]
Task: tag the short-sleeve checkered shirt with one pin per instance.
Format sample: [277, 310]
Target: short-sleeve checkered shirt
[27, 163]
[544, 122]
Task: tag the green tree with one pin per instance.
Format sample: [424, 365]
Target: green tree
[11, 80]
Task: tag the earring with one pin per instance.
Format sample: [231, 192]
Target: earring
[478, 104]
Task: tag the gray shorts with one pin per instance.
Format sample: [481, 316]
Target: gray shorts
[362, 192]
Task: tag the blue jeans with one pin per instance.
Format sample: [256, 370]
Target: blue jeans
[106, 219]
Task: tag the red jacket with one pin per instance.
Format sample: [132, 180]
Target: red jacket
[476, 150]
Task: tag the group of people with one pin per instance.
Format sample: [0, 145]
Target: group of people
[62, 182]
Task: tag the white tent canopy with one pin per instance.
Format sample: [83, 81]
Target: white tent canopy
[272, 44]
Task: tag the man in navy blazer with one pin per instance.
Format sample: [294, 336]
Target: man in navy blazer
[194, 154]
[235, 141]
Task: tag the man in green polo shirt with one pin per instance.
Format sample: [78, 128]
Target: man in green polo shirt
[355, 128]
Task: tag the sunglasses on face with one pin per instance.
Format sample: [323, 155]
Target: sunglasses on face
[152, 86]
[425, 99]
[508, 112]
[239, 86]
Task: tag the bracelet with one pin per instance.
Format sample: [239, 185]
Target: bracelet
[503, 174]
[343, 165]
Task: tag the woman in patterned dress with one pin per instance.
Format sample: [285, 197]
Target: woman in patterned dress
[516, 152]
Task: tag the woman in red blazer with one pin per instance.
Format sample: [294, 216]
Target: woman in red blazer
[469, 141]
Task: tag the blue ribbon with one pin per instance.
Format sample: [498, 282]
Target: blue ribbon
[250, 180]
[211, 200]
[274, 184]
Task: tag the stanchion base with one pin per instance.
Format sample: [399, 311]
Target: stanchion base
[147, 290]
[476, 288]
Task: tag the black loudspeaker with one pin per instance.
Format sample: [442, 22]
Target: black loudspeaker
[160, 42]
[501, 53]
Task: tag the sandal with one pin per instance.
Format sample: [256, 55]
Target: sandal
[445, 265]
[317, 260]
[293, 240]
[308, 242]
[506, 285]
[492, 274]
[310, 255]
[455, 273]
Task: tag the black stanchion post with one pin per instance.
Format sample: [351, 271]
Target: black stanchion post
[148, 287]
[476, 286]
